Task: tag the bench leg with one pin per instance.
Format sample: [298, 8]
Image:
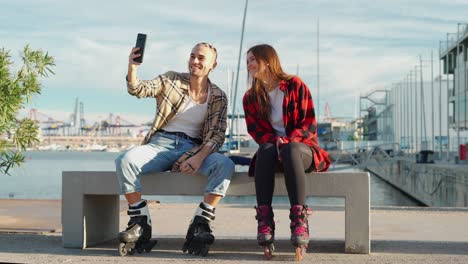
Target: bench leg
[88, 221]
[101, 219]
[357, 224]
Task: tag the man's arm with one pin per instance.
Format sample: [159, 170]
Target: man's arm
[144, 88]
[219, 124]
[193, 164]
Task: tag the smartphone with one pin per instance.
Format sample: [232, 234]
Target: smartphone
[140, 43]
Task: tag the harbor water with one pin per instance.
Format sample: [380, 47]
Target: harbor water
[40, 177]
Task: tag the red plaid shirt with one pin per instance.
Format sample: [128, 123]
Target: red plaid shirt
[299, 121]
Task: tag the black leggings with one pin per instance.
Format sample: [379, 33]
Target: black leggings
[295, 159]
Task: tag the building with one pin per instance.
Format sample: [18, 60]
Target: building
[453, 54]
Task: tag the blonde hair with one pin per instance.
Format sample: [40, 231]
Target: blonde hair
[213, 48]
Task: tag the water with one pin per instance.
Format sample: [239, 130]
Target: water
[41, 178]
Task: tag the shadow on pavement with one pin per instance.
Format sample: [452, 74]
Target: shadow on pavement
[225, 249]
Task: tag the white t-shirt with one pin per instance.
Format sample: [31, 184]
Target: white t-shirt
[276, 102]
[190, 118]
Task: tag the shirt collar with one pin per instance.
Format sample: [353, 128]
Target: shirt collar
[283, 86]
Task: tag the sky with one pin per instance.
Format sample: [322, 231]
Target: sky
[364, 45]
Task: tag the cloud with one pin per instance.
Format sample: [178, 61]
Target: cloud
[363, 43]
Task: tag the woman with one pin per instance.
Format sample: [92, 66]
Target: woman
[280, 117]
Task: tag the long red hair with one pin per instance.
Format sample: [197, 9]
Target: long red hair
[266, 55]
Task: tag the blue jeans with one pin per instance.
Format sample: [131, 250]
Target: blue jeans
[160, 153]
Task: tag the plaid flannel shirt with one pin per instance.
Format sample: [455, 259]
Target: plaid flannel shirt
[171, 91]
[299, 121]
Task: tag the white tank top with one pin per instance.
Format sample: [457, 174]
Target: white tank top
[276, 115]
[190, 118]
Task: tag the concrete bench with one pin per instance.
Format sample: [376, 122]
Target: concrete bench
[90, 201]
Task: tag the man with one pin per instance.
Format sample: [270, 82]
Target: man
[187, 132]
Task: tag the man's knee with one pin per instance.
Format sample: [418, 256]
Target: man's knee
[122, 160]
[228, 165]
[225, 163]
[126, 161]
[220, 165]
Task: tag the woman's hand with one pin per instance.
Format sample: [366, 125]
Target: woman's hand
[278, 144]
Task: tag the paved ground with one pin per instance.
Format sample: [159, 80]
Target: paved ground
[30, 232]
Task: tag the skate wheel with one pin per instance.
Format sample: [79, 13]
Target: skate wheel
[189, 246]
[150, 245]
[272, 247]
[268, 252]
[300, 253]
[185, 247]
[139, 250]
[122, 250]
[204, 251]
[131, 251]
